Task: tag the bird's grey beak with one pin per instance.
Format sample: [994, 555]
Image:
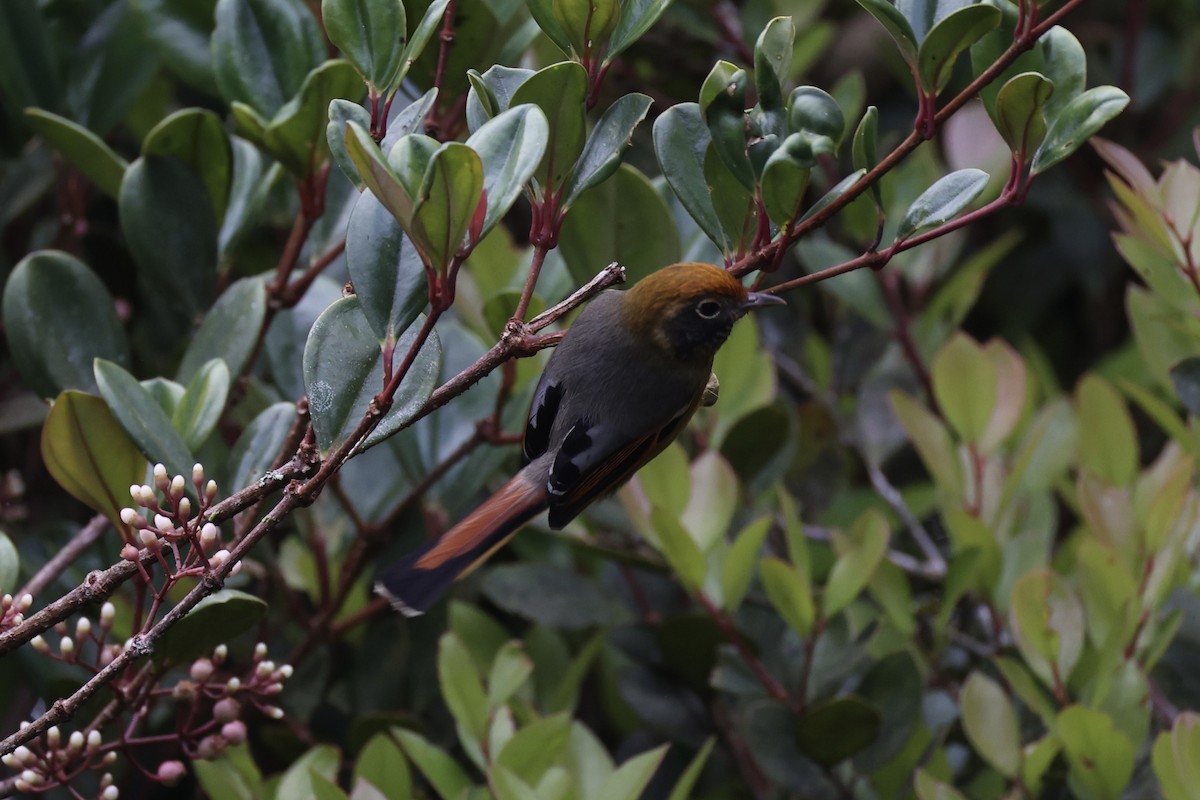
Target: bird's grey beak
[756, 300]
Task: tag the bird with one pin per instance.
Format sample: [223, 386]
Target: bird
[621, 385]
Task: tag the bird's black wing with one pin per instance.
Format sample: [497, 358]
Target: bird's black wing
[542, 412]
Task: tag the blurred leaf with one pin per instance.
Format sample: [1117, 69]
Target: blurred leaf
[58, 318]
[230, 329]
[536, 747]
[545, 593]
[263, 51]
[370, 34]
[461, 687]
[1176, 758]
[510, 669]
[1019, 116]
[87, 452]
[1099, 755]
[10, 565]
[942, 201]
[385, 269]
[790, 593]
[446, 777]
[196, 137]
[108, 69]
[895, 688]
[606, 144]
[217, 619]
[143, 419]
[965, 385]
[1048, 625]
[182, 31]
[839, 189]
[560, 91]
[29, 75]
[864, 546]
[507, 786]
[259, 445]
[234, 775]
[83, 149]
[713, 500]
[930, 788]
[737, 567]
[901, 31]
[1109, 449]
[685, 786]
[637, 16]
[680, 549]
[932, 441]
[991, 724]
[302, 776]
[510, 146]
[324, 788]
[343, 369]
[202, 404]
[381, 763]
[1185, 377]
[948, 39]
[632, 777]
[837, 729]
[604, 223]
[1082, 117]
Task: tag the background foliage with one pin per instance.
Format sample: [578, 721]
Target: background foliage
[936, 539]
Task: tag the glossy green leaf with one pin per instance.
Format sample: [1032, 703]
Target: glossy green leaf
[737, 568]
[1100, 757]
[864, 546]
[837, 729]
[10, 565]
[942, 201]
[1058, 56]
[382, 764]
[932, 441]
[510, 146]
[461, 687]
[723, 102]
[341, 112]
[542, 12]
[773, 61]
[377, 173]
[143, 419]
[560, 91]
[681, 140]
[606, 145]
[296, 136]
[991, 724]
[86, 151]
[196, 137]
[88, 453]
[948, 39]
[202, 404]
[169, 226]
[410, 157]
[865, 148]
[585, 23]
[491, 92]
[108, 69]
[263, 50]
[601, 228]
[965, 385]
[229, 330]
[385, 269]
[814, 111]
[1109, 448]
[430, 21]
[370, 34]
[303, 775]
[258, 448]
[1075, 124]
[343, 371]
[50, 292]
[894, 22]
[217, 619]
[637, 16]
[181, 30]
[1019, 112]
[785, 178]
[790, 594]
[1048, 625]
[442, 772]
[447, 203]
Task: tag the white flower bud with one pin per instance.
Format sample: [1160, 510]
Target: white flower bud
[197, 474]
[6, 601]
[76, 741]
[177, 486]
[67, 648]
[106, 780]
[9, 760]
[260, 651]
[53, 737]
[220, 652]
[39, 644]
[286, 671]
[163, 523]
[146, 497]
[83, 628]
[22, 786]
[210, 536]
[161, 479]
[135, 491]
[25, 756]
[219, 558]
[93, 741]
[185, 508]
[109, 758]
[107, 612]
[25, 603]
[149, 540]
[273, 689]
[130, 517]
[274, 712]
[202, 670]
[210, 490]
[31, 777]
[234, 570]
[232, 685]
[129, 552]
[111, 793]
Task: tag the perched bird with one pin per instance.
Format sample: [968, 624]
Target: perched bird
[624, 381]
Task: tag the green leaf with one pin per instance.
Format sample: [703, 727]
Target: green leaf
[685, 786]
[1100, 757]
[230, 329]
[1048, 625]
[29, 72]
[447, 203]
[680, 549]
[10, 565]
[263, 51]
[737, 567]
[1176, 758]
[169, 226]
[814, 111]
[790, 593]
[446, 777]
[560, 91]
[542, 12]
[637, 17]
[386, 270]
[865, 148]
[965, 385]
[342, 112]
[895, 23]
[86, 151]
[217, 619]
[181, 31]
[932, 441]
[785, 178]
[508, 786]
[234, 775]
[536, 747]
[258, 447]
[58, 317]
[773, 60]
[510, 669]
[461, 687]
[343, 371]
[377, 174]
[599, 229]
[410, 157]
[88, 453]
[943, 200]
[586, 23]
[382, 764]
[491, 93]
[1020, 119]
[1108, 449]
[606, 145]
[200, 408]
[928, 787]
[554, 596]
[143, 419]
[196, 137]
[723, 102]
[991, 724]
[324, 788]
[296, 135]
[860, 551]
[302, 776]
[510, 146]
[839, 189]
[109, 69]
[948, 39]
[429, 22]
[632, 777]
[837, 729]
[370, 34]
[1082, 117]
[681, 140]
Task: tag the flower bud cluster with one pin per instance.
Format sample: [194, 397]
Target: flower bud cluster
[70, 646]
[233, 695]
[12, 610]
[40, 763]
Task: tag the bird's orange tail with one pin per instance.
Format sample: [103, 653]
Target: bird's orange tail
[415, 583]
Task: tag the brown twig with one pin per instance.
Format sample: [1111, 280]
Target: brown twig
[734, 637]
[445, 41]
[82, 540]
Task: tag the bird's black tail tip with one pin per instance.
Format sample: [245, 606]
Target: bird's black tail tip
[413, 591]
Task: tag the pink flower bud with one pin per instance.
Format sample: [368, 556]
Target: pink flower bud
[234, 732]
[226, 710]
[129, 552]
[169, 772]
[202, 670]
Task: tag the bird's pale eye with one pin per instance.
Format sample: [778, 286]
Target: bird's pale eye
[708, 308]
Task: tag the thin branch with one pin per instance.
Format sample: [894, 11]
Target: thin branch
[935, 565]
[85, 538]
[445, 41]
[734, 637]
